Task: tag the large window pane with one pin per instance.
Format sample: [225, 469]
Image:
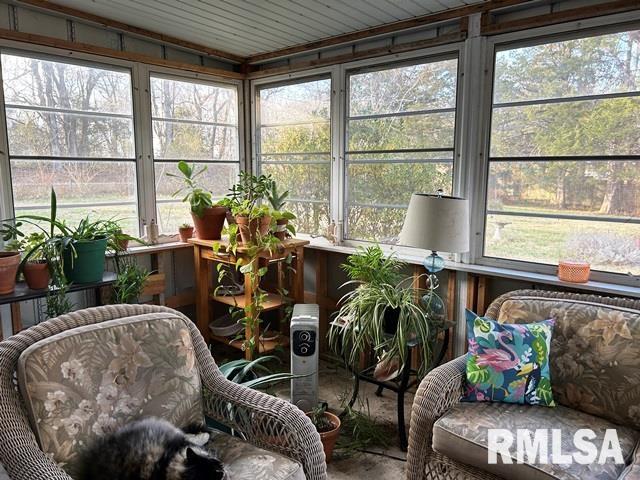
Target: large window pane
[70, 127]
[400, 140]
[58, 85]
[603, 188]
[565, 153]
[294, 146]
[192, 121]
[435, 130]
[100, 188]
[584, 66]
[425, 86]
[588, 127]
[53, 134]
[609, 246]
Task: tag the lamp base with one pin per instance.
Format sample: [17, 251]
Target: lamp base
[434, 263]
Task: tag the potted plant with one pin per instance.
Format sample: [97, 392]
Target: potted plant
[328, 426]
[186, 232]
[252, 218]
[208, 217]
[35, 265]
[280, 215]
[384, 311]
[130, 282]
[9, 264]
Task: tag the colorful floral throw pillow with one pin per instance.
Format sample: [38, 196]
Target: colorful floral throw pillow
[508, 362]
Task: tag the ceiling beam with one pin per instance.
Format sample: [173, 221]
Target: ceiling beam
[386, 29]
[124, 27]
[72, 47]
[561, 16]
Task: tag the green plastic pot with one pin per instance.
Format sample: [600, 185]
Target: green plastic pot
[88, 265]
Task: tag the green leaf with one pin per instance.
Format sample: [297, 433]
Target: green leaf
[475, 373]
[544, 392]
[262, 271]
[185, 168]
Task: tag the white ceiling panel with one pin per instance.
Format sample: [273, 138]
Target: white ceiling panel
[249, 27]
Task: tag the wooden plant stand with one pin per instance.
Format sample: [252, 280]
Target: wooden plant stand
[204, 255]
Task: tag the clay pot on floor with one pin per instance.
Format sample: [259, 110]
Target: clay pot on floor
[36, 274]
[329, 438]
[209, 226]
[248, 229]
[185, 234]
[9, 263]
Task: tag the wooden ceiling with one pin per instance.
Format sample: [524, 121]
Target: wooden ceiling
[246, 28]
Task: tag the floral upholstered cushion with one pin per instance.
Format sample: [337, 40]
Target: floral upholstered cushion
[595, 354]
[508, 363]
[87, 381]
[462, 435]
[244, 461]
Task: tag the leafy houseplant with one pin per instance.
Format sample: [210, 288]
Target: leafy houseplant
[384, 311]
[208, 217]
[186, 232]
[252, 218]
[39, 254]
[129, 282]
[328, 426]
[280, 215]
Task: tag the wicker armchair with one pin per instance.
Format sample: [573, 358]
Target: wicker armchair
[438, 396]
[262, 420]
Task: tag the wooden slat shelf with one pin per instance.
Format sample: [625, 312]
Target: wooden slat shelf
[265, 346]
[207, 252]
[271, 302]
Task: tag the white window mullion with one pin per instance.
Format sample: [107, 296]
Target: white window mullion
[144, 150]
[338, 110]
[6, 196]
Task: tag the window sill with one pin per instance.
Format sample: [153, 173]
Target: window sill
[497, 272]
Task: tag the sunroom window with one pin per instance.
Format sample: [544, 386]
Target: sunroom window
[564, 167]
[70, 126]
[293, 144]
[400, 139]
[197, 122]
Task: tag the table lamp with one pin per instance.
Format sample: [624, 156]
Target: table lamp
[438, 223]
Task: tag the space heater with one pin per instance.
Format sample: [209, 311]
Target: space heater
[305, 323]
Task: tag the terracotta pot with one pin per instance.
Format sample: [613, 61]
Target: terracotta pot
[9, 263]
[185, 234]
[209, 226]
[122, 244]
[281, 228]
[248, 229]
[36, 274]
[329, 439]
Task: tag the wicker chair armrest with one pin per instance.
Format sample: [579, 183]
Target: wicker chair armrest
[438, 392]
[265, 421]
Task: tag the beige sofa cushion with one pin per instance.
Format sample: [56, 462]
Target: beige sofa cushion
[595, 354]
[89, 380]
[461, 435]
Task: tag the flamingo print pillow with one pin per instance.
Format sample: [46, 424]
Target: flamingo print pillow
[508, 362]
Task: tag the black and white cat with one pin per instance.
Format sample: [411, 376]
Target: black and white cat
[150, 449]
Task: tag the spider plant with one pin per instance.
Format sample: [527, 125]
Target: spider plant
[383, 311]
[254, 373]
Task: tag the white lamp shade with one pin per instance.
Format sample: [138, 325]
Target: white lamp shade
[436, 223]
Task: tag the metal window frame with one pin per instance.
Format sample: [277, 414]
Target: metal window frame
[453, 51]
[172, 74]
[73, 58]
[479, 186]
[141, 115]
[256, 85]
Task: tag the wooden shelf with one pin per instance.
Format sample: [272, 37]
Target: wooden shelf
[271, 302]
[265, 346]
